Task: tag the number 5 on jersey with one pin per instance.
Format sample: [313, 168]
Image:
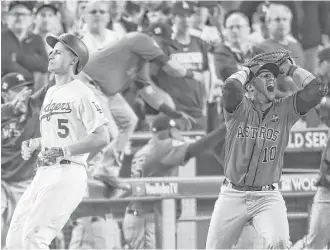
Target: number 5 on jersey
[63, 130]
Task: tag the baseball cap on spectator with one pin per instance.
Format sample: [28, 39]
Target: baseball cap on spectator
[27, 4]
[162, 122]
[183, 8]
[42, 5]
[324, 54]
[13, 80]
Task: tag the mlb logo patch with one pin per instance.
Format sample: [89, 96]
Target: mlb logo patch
[274, 118]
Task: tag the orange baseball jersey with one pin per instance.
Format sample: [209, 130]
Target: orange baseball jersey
[69, 113]
[158, 158]
[255, 144]
[117, 65]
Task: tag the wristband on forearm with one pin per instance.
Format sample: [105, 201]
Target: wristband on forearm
[169, 111]
[301, 76]
[66, 152]
[241, 76]
[291, 70]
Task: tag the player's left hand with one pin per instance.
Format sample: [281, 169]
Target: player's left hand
[50, 156]
[187, 121]
[285, 66]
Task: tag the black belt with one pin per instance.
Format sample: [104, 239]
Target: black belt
[62, 162]
[248, 188]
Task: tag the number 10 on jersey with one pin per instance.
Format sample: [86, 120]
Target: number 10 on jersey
[269, 154]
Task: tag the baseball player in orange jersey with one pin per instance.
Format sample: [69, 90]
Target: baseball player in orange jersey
[160, 157]
[258, 130]
[71, 126]
[119, 64]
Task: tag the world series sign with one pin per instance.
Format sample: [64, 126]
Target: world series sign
[307, 140]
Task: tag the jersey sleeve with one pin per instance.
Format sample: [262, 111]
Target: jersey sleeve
[90, 113]
[240, 112]
[289, 109]
[143, 76]
[147, 48]
[176, 153]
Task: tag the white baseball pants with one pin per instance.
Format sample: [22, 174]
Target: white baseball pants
[46, 206]
[233, 209]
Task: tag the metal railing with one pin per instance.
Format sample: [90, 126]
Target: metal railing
[167, 190]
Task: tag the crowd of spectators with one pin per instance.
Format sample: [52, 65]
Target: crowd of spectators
[212, 37]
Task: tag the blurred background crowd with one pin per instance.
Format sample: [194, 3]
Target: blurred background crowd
[228, 32]
[213, 37]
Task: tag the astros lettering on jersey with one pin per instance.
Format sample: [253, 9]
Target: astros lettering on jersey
[263, 139]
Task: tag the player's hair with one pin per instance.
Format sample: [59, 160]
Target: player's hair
[274, 6]
[232, 12]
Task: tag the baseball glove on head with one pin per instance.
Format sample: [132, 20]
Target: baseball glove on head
[270, 61]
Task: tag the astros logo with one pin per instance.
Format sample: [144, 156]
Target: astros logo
[274, 118]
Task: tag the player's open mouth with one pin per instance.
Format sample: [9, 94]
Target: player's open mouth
[270, 88]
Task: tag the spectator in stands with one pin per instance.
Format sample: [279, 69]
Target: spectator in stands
[201, 26]
[158, 12]
[278, 20]
[259, 31]
[19, 122]
[232, 53]
[189, 95]
[78, 21]
[313, 22]
[21, 50]
[125, 17]
[46, 22]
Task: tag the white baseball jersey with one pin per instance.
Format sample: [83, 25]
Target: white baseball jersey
[69, 113]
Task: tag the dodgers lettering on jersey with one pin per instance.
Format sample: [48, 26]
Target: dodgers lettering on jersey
[255, 145]
[69, 113]
[114, 67]
[158, 158]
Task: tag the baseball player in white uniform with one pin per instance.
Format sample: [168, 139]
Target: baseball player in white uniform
[72, 125]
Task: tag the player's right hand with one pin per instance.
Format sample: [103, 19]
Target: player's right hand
[187, 121]
[28, 147]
